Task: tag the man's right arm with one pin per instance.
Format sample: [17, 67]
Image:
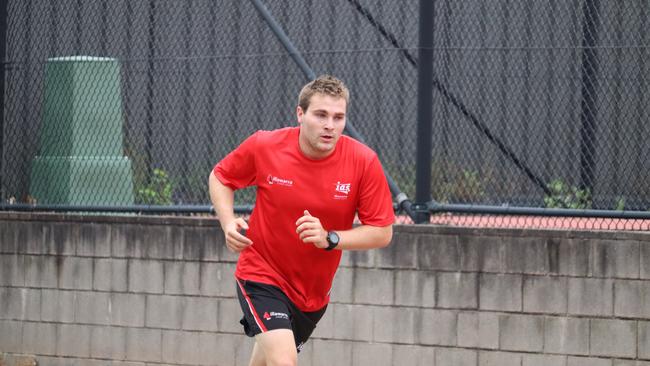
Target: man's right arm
[223, 198]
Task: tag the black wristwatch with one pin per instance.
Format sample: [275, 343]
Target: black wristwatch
[332, 240]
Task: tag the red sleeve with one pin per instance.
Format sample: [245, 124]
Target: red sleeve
[375, 202]
[237, 169]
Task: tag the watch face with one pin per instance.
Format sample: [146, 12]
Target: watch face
[333, 237]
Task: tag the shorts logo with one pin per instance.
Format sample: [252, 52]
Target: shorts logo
[343, 188]
[271, 180]
[267, 316]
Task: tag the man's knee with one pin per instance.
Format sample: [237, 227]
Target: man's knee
[281, 360]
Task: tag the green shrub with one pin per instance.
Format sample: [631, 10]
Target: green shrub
[466, 186]
[158, 191]
[566, 196]
[620, 204]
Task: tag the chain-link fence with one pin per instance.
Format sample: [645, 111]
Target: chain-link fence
[535, 103]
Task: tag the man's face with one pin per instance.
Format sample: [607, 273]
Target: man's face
[321, 125]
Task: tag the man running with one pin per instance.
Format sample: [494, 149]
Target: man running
[311, 182]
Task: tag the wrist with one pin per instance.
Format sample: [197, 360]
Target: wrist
[333, 239]
[225, 222]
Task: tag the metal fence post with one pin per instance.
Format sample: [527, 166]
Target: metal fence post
[151, 64]
[591, 14]
[425, 112]
[3, 66]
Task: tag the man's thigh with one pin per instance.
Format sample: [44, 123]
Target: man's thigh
[278, 346]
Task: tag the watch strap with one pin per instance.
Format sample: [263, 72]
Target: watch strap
[331, 244]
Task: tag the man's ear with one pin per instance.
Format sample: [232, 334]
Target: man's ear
[299, 113]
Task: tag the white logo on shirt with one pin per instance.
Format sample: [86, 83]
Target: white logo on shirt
[343, 187]
[270, 179]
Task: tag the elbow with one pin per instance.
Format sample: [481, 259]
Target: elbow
[214, 182]
[210, 183]
[386, 237]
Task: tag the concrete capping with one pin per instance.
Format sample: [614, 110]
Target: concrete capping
[111, 219]
[209, 220]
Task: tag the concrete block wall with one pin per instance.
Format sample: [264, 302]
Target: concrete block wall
[132, 290]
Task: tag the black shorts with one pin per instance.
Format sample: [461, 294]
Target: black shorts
[266, 308]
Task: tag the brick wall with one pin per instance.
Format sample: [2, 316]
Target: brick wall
[132, 290]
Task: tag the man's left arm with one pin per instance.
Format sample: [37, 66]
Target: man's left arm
[365, 237]
[362, 237]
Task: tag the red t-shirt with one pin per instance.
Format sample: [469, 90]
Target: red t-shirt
[333, 189]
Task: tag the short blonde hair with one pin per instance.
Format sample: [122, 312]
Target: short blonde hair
[324, 84]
